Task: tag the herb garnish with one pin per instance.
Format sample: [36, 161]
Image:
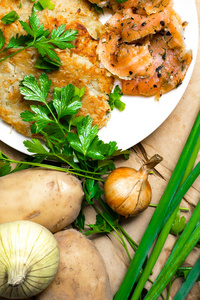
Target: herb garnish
[71, 144]
[47, 4]
[55, 121]
[120, 1]
[178, 224]
[44, 4]
[115, 99]
[41, 39]
[98, 8]
[10, 18]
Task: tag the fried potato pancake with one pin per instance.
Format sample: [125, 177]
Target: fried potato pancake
[71, 10]
[79, 65]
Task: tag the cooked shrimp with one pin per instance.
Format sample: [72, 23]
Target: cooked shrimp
[148, 6]
[170, 67]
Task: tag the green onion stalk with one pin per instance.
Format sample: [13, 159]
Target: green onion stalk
[181, 250]
[188, 284]
[163, 211]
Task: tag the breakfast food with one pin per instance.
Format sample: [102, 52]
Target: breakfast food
[80, 66]
[142, 45]
[73, 10]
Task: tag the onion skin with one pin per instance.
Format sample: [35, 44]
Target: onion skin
[29, 259]
[128, 191]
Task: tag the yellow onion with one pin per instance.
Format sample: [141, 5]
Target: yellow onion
[29, 259]
[127, 191]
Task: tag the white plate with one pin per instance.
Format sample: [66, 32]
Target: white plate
[142, 115]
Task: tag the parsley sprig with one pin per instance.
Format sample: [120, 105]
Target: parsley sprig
[41, 39]
[107, 221]
[178, 224]
[68, 139]
[70, 144]
[115, 99]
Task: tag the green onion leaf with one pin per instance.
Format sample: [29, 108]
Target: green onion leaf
[181, 250]
[156, 223]
[190, 280]
[166, 229]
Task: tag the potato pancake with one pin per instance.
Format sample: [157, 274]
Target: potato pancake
[79, 65]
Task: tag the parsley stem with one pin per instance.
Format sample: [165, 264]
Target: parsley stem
[2, 59]
[132, 243]
[181, 208]
[51, 167]
[86, 171]
[56, 120]
[60, 158]
[122, 242]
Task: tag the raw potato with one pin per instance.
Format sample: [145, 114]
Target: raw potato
[82, 274]
[50, 198]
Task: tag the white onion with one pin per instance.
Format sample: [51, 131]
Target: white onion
[29, 259]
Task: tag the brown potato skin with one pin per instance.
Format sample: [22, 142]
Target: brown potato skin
[82, 274]
[49, 198]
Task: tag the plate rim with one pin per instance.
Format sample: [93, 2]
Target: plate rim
[19, 146]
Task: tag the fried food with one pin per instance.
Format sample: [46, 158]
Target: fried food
[73, 10]
[80, 65]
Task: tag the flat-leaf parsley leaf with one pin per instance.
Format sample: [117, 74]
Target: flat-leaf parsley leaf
[9, 18]
[42, 40]
[115, 99]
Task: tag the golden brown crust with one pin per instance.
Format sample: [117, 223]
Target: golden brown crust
[72, 10]
[79, 67]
